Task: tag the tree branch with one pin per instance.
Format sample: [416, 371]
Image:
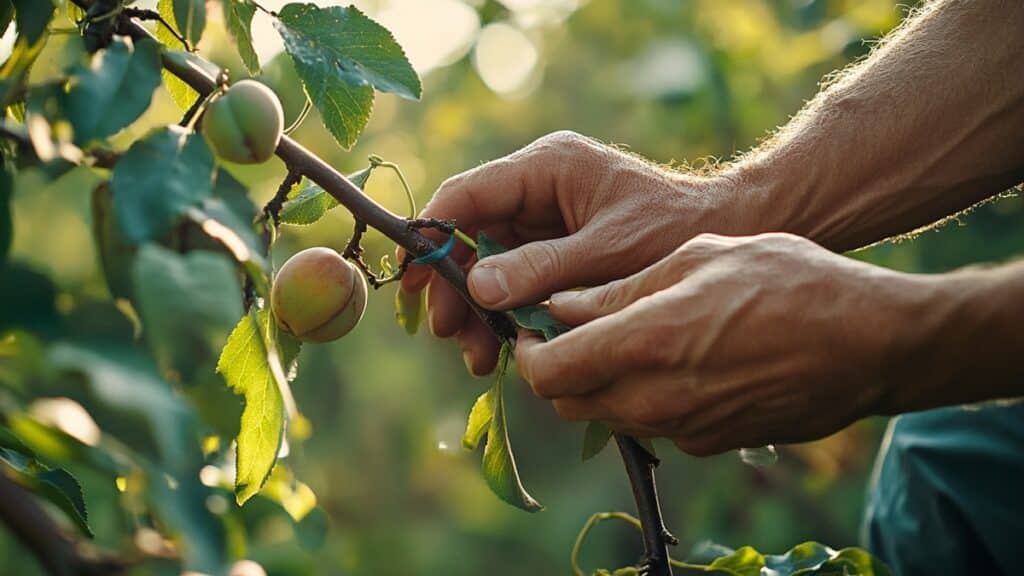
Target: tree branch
[639, 464]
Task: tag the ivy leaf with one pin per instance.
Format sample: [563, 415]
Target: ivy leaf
[410, 309]
[595, 438]
[341, 56]
[238, 19]
[32, 16]
[479, 422]
[188, 304]
[159, 179]
[253, 368]
[499, 466]
[190, 16]
[113, 90]
[312, 202]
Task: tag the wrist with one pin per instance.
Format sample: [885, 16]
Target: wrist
[962, 344]
[750, 198]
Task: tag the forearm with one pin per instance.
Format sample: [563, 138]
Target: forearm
[931, 123]
[966, 343]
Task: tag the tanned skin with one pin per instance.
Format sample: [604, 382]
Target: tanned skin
[760, 332]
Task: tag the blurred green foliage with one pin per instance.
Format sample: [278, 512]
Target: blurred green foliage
[387, 410]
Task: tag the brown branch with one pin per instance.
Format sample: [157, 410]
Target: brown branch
[639, 464]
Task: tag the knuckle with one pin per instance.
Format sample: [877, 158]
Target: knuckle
[648, 347]
[541, 259]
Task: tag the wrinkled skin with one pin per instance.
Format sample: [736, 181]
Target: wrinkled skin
[318, 296]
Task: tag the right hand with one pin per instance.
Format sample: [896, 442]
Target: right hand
[574, 213]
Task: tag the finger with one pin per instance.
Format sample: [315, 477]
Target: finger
[479, 346]
[530, 273]
[581, 306]
[593, 355]
[447, 312]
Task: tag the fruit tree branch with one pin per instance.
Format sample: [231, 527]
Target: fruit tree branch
[639, 464]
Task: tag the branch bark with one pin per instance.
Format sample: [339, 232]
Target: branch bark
[639, 464]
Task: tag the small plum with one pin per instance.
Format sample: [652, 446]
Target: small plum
[245, 124]
[318, 296]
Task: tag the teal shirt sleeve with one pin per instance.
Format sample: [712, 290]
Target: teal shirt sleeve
[947, 495]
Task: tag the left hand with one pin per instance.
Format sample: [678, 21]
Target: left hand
[731, 342]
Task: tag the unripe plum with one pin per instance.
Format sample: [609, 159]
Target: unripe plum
[318, 296]
[245, 124]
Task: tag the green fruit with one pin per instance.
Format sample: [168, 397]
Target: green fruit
[245, 124]
[318, 296]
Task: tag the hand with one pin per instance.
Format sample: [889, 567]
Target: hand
[731, 342]
[576, 212]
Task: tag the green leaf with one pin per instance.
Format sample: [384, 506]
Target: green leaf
[410, 309]
[253, 368]
[479, 420]
[6, 14]
[55, 485]
[189, 305]
[807, 559]
[595, 438]
[32, 16]
[341, 56]
[312, 202]
[124, 393]
[15, 69]
[113, 90]
[499, 466]
[238, 19]
[190, 16]
[159, 179]
[182, 94]
[537, 317]
[487, 246]
[117, 255]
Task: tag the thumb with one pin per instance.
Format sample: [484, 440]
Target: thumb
[530, 273]
[581, 306]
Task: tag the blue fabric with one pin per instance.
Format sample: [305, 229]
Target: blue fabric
[437, 255]
[947, 496]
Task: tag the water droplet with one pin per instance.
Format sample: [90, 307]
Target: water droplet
[759, 457]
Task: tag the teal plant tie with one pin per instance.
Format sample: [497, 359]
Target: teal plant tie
[437, 255]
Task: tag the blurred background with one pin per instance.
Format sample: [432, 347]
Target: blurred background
[679, 82]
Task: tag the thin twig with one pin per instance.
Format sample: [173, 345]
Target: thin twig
[272, 210]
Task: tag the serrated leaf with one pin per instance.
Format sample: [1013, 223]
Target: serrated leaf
[312, 202]
[479, 420]
[499, 465]
[190, 16]
[113, 90]
[238, 16]
[253, 369]
[56, 485]
[410, 309]
[341, 56]
[32, 16]
[188, 305]
[595, 438]
[159, 179]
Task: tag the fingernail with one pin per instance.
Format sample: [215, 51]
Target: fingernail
[560, 298]
[467, 359]
[490, 284]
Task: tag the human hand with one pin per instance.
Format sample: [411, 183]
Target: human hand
[575, 213]
[731, 342]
